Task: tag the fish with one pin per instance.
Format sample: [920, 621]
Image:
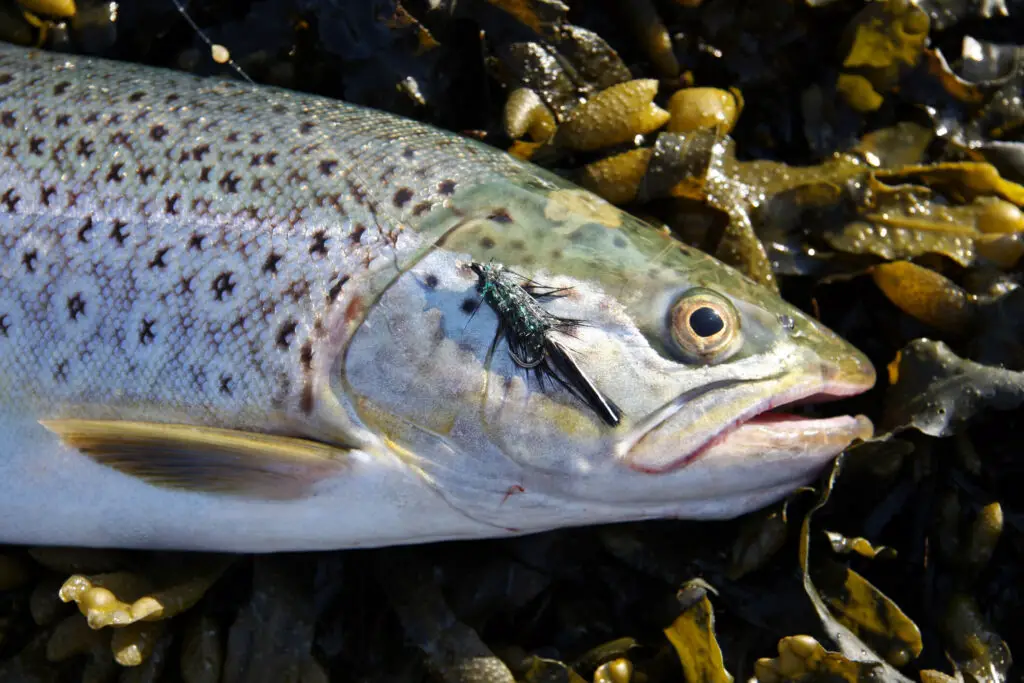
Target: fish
[240, 318]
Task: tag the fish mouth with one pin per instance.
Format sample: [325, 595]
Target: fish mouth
[764, 425]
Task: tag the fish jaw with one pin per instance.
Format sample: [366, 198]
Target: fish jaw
[753, 430]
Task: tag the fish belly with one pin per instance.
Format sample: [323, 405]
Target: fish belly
[51, 495]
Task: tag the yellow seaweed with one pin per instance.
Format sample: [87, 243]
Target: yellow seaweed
[134, 643]
[696, 108]
[886, 38]
[613, 116]
[616, 671]
[692, 635]
[54, 8]
[871, 615]
[802, 657]
[123, 598]
[617, 178]
[926, 295]
[526, 114]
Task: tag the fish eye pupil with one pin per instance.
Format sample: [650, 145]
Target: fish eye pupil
[706, 322]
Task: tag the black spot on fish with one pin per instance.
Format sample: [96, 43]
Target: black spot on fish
[306, 355]
[5, 78]
[227, 384]
[35, 146]
[556, 254]
[8, 119]
[285, 333]
[46, 194]
[61, 87]
[430, 281]
[402, 197]
[5, 325]
[229, 183]
[136, 96]
[518, 245]
[196, 241]
[446, 187]
[319, 246]
[327, 167]
[76, 306]
[146, 334]
[501, 216]
[270, 265]
[29, 259]
[421, 208]
[158, 259]
[199, 151]
[408, 152]
[223, 285]
[84, 148]
[118, 233]
[60, 373]
[356, 236]
[232, 137]
[486, 243]
[158, 132]
[115, 175]
[204, 174]
[297, 290]
[10, 200]
[145, 173]
[62, 121]
[83, 232]
[335, 289]
[620, 242]
[306, 400]
[305, 127]
[470, 305]
[171, 204]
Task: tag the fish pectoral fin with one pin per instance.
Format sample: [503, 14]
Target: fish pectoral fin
[204, 459]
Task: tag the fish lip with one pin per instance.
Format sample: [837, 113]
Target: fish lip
[829, 384]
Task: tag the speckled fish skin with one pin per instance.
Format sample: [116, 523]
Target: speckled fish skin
[186, 251]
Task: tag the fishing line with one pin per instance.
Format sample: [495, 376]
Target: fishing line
[215, 48]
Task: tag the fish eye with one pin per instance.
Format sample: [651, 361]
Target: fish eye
[704, 325]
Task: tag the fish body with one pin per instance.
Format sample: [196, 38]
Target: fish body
[240, 318]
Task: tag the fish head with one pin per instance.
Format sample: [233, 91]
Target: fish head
[672, 402]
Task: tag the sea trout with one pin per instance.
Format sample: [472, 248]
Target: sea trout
[239, 318]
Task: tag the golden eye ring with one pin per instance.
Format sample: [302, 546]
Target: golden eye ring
[705, 325]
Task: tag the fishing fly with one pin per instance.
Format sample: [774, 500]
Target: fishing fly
[527, 328]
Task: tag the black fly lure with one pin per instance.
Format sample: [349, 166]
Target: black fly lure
[527, 328]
